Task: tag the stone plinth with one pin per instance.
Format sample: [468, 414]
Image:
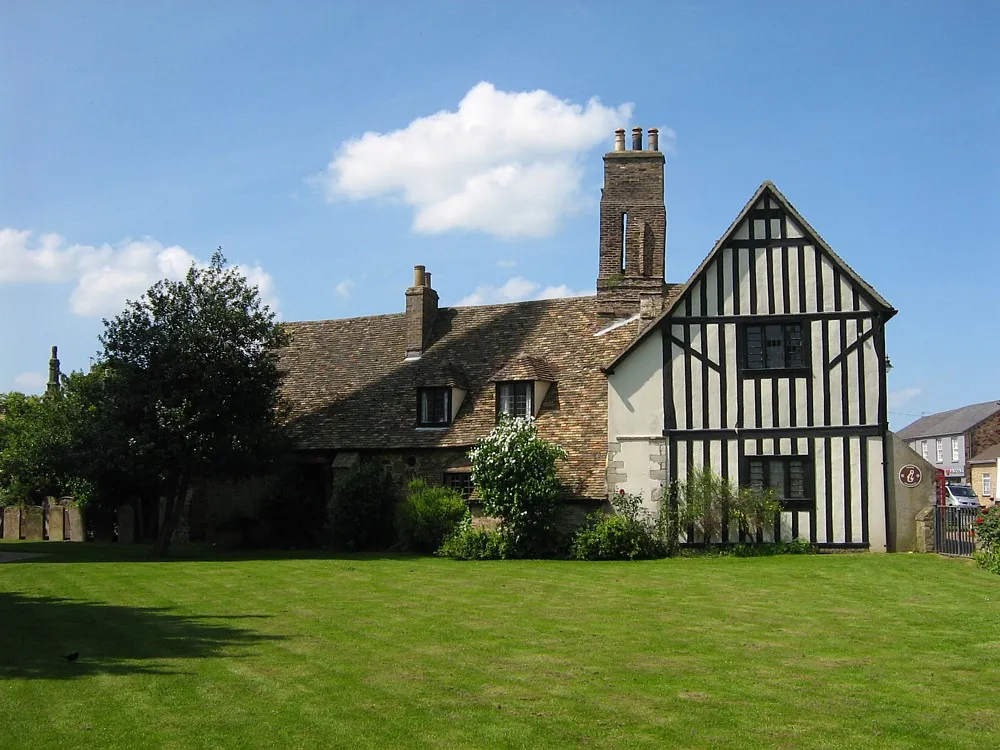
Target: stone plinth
[126, 524]
[56, 523]
[33, 523]
[11, 523]
[74, 519]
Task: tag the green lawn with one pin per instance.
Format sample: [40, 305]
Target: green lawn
[313, 651]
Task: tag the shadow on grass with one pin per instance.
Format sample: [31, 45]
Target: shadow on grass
[94, 552]
[40, 631]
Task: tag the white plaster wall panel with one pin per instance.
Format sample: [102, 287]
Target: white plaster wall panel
[732, 379]
[744, 265]
[760, 271]
[777, 295]
[837, 474]
[809, 255]
[712, 289]
[877, 532]
[857, 499]
[635, 392]
[819, 472]
[726, 259]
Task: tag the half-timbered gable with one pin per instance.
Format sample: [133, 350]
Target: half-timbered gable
[773, 375]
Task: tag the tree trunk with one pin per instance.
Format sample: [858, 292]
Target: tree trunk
[172, 515]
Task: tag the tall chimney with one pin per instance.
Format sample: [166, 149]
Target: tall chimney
[52, 387]
[421, 309]
[620, 139]
[637, 139]
[654, 139]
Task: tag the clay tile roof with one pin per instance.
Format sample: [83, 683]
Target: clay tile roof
[526, 368]
[349, 388]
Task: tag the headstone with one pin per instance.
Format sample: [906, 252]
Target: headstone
[126, 524]
[32, 523]
[11, 522]
[74, 518]
[57, 523]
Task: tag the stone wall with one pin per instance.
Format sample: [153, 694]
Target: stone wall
[638, 466]
[905, 503]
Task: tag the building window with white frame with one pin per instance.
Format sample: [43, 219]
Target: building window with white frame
[987, 485]
[939, 446]
[923, 449]
[954, 450]
[515, 398]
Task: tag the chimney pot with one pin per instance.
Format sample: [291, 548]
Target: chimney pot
[427, 280]
[637, 139]
[654, 139]
[620, 139]
[418, 276]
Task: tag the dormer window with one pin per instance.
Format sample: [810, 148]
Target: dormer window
[516, 398]
[433, 407]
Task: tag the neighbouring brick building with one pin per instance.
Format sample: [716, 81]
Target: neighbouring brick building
[415, 390]
[951, 439]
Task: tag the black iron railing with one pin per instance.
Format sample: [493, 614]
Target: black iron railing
[954, 530]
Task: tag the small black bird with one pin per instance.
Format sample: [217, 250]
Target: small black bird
[73, 657]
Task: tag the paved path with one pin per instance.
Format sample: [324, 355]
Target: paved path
[19, 556]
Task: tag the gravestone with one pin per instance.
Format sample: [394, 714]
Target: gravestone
[32, 522]
[75, 520]
[57, 523]
[11, 523]
[126, 524]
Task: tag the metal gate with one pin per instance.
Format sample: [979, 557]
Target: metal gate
[953, 530]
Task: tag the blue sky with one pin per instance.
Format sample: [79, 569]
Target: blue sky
[137, 137]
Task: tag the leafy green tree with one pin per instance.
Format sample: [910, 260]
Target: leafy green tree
[188, 385]
[514, 471]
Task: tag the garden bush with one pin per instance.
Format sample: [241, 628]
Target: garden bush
[468, 542]
[987, 531]
[514, 471]
[627, 534]
[361, 508]
[427, 516]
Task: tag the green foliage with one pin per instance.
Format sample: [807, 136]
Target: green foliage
[514, 471]
[427, 516]
[188, 383]
[361, 508]
[627, 534]
[39, 437]
[987, 531]
[468, 542]
[705, 499]
[796, 547]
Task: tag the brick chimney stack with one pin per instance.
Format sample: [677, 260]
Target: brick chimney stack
[421, 309]
[633, 234]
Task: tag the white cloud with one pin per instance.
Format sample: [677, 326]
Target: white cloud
[504, 163]
[30, 382]
[345, 287]
[104, 275]
[899, 398]
[517, 289]
[506, 263]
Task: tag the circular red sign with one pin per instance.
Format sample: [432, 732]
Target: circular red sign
[909, 476]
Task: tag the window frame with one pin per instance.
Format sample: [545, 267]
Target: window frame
[939, 450]
[448, 480]
[923, 449]
[987, 483]
[529, 385]
[791, 504]
[954, 450]
[427, 390]
[743, 339]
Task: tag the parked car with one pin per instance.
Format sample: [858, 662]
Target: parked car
[961, 495]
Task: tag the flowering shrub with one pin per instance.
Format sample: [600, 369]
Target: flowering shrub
[987, 531]
[627, 534]
[514, 471]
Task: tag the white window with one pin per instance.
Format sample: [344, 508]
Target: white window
[923, 449]
[939, 445]
[987, 485]
[515, 398]
[954, 450]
